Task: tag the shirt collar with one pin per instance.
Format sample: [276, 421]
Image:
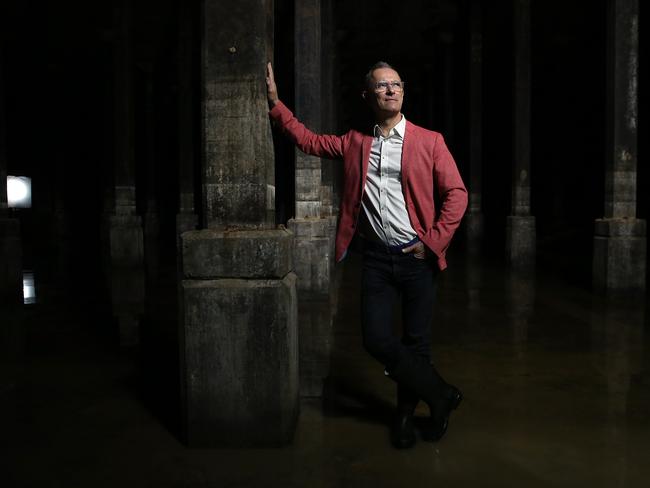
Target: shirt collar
[398, 130]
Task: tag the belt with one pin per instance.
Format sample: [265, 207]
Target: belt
[383, 248]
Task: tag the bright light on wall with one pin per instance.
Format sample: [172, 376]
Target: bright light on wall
[29, 288]
[19, 192]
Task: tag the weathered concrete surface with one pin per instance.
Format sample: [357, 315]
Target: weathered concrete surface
[622, 108]
[313, 253]
[127, 275]
[474, 225]
[186, 218]
[315, 338]
[213, 253]
[473, 221]
[240, 348]
[238, 169]
[520, 226]
[521, 242]
[186, 221]
[619, 262]
[308, 75]
[239, 351]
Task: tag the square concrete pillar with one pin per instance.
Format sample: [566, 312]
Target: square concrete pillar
[619, 262]
[521, 242]
[239, 341]
[127, 278]
[313, 253]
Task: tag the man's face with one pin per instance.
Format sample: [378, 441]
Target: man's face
[388, 102]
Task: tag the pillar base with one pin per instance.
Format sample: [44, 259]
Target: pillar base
[239, 339]
[619, 262]
[474, 226]
[186, 221]
[312, 254]
[315, 319]
[151, 240]
[521, 242]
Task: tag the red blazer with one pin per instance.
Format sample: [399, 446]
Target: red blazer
[427, 169]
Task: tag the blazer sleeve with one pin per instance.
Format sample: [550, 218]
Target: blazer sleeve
[453, 199]
[327, 146]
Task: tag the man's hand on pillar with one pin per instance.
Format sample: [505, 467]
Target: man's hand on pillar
[271, 88]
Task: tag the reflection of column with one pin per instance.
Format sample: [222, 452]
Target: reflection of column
[474, 216]
[521, 294]
[239, 344]
[186, 219]
[620, 238]
[124, 225]
[520, 239]
[617, 350]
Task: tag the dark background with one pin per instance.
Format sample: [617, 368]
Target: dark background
[58, 70]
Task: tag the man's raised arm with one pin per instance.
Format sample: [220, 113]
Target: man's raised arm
[307, 141]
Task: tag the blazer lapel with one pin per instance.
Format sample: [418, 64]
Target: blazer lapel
[366, 144]
[407, 152]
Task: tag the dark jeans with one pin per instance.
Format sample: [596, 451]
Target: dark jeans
[386, 277]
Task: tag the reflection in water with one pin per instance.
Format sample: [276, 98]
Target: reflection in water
[521, 297]
[617, 354]
[617, 338]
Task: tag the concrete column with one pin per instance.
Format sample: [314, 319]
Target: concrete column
[186, 218]
[151, 216]
[447, 51]
[329, 168]
[125, 234]
[239, 341]
[474, 216]
[307, 52]
[313, 252]
[313, 225]
[521, 235]
[620, 238]
[11, 280]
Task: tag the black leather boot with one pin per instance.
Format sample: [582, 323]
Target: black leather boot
[403, 430]
[439, 420]
[415, 372]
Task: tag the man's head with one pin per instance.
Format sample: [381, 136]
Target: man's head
[384, 90]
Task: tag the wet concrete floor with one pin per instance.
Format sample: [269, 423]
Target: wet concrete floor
[556, 383]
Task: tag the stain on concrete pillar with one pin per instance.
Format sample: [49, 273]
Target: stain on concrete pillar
[619, 262]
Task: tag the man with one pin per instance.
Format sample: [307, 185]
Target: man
[390, 180]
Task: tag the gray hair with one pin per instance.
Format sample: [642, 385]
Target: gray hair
[376, 66]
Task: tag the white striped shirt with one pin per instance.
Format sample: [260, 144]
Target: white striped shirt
[383, 200]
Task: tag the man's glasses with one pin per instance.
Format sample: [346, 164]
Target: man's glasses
[395, 86]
